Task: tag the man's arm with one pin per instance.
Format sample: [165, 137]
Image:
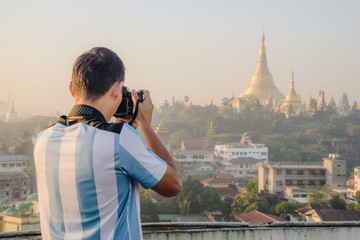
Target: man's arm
[170, 184]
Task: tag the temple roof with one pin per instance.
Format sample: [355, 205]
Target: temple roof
[262, 83]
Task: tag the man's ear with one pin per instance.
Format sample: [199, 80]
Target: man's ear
[71, 89]
[117, 90]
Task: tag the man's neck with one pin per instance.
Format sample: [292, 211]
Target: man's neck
[99, 105]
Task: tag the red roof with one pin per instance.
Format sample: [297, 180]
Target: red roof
[216, 180]
[259, 217]
[351, 177]
[194, 143]
[164, 136]
[226, 176]
[227, 191]
[357, 167]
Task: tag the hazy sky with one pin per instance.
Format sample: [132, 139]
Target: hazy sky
[198, 48]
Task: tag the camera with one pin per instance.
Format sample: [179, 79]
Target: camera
[126, 107]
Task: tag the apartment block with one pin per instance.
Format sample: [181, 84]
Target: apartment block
[291, 180]
[14, 182]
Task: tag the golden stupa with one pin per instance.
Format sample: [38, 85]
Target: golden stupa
[292, 102]
[11, 115]
[262, 83]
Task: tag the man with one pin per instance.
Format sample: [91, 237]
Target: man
[88, 170]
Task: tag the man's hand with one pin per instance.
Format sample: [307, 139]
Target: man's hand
[125, 120]
[145, 110]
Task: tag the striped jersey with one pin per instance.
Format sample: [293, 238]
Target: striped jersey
[88, 173]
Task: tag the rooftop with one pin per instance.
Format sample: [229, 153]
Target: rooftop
[234, 230]
[259, 217]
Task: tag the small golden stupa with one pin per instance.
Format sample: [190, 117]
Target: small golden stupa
[292, 102]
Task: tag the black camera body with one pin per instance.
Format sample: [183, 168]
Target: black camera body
[126, 107]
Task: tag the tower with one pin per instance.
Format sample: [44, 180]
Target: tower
[321, 102]
[292, 102]
[11, 115]
[262, 83]
[344, 105]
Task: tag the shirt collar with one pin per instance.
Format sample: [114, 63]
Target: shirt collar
[87, 112]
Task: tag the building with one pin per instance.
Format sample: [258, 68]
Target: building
[257, 217]
[262, 83]
[353, 184]
[10, 221]
[335, 171]
[192, 153]
[324, 212]
[241, 158]
[14, 182]
[290, 180]
[221, 183]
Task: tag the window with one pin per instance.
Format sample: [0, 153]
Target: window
[288, 172]
[279, 183]
[339, 165]
[263, 153]
[300, 172]
[278, 172]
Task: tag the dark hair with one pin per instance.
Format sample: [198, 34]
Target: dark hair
[95, 71]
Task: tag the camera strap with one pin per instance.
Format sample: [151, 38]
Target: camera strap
[135, 113]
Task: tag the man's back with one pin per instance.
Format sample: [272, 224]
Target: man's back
[86, 181]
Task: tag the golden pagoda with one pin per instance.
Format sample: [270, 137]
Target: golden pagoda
[262, 83]
[11, 115]
[292, 102]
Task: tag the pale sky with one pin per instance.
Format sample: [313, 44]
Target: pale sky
[198, 48]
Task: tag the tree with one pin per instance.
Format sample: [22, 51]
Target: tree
[210, 199]
[24, 146]
[4, 148]
[184, 206]
[357, 197]
[226, 208]
[148, 207]
[284, 208]
[337, 202]
[319, 194]
[191, 189]
[177, 137]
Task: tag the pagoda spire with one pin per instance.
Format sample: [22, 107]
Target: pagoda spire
[292, 103]
[262, 82]
[321, 103]
[262, 50]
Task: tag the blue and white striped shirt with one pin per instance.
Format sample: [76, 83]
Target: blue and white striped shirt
[88, 174]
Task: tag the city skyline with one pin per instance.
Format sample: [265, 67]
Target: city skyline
[198, 49]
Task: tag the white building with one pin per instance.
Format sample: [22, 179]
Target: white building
[192, 153]
[240, 158]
